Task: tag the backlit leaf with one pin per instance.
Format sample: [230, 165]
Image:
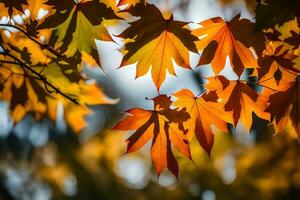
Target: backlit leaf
[220, 39]
[158, 125]
[78, 25]
[272, 12]
[204, 114]
[154, 42]
[240, 99]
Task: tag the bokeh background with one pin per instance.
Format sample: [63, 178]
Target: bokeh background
[45, 160]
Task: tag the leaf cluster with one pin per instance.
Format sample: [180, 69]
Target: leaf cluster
[264, 56]
[41, 63]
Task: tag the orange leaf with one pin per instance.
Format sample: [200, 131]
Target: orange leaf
[241, 100]
[11, 7]
[160, 125]
[276, 53]
[284, 97]
[284, 106]
[204, 113]
[35, 6]
[155, 41]
[219, 39]
[129, 3]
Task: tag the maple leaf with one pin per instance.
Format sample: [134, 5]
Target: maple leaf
[239, 98]
[251, 4]
[17, 42]
[12, 5]
[273, 12]
[281, 48]
[204, 114]
[160, 125]
[129, 3]
[155, 41]
[112, 4]
[283, 95]
[220, 39]
[3, 10]
[74, 86]
[34, 7]
[297, 63]
[290, 38]
[276, 53]
[77, 25]
[284, 106]
[87, 94]
[28, 92]
[17, 91]
[289, 31]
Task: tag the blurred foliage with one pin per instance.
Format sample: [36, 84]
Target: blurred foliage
[68, 167]
[269, 169]
[251, 4]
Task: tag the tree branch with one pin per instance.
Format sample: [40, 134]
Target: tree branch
[41, 77]
[43, 46]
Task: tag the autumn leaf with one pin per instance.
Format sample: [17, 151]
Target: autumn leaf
[290, 39]
[42, 62]
[74, 86]
[251, 4]
[4, 11]
[18, 90]
[20, 46]
[160, 125]
[153, 41]
[28, 92]
[204, 114]
[12, 5]
[281, 52]
[284, 106]
[112, 4]
[239, 98]
[129, 3]
[288, 31]
[78, 25]
[220, 39]
[30, 95]
[283, 97]
[270, 13]
[276, 53]
[34, 7]
[88, 94]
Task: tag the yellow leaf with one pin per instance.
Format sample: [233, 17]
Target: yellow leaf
[153, 41]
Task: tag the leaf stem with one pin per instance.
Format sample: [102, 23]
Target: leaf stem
[267, 79]
[269, 88]
[288, 71]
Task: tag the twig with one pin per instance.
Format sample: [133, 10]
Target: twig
[201, 93]
[41, 77]
[43, 46]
